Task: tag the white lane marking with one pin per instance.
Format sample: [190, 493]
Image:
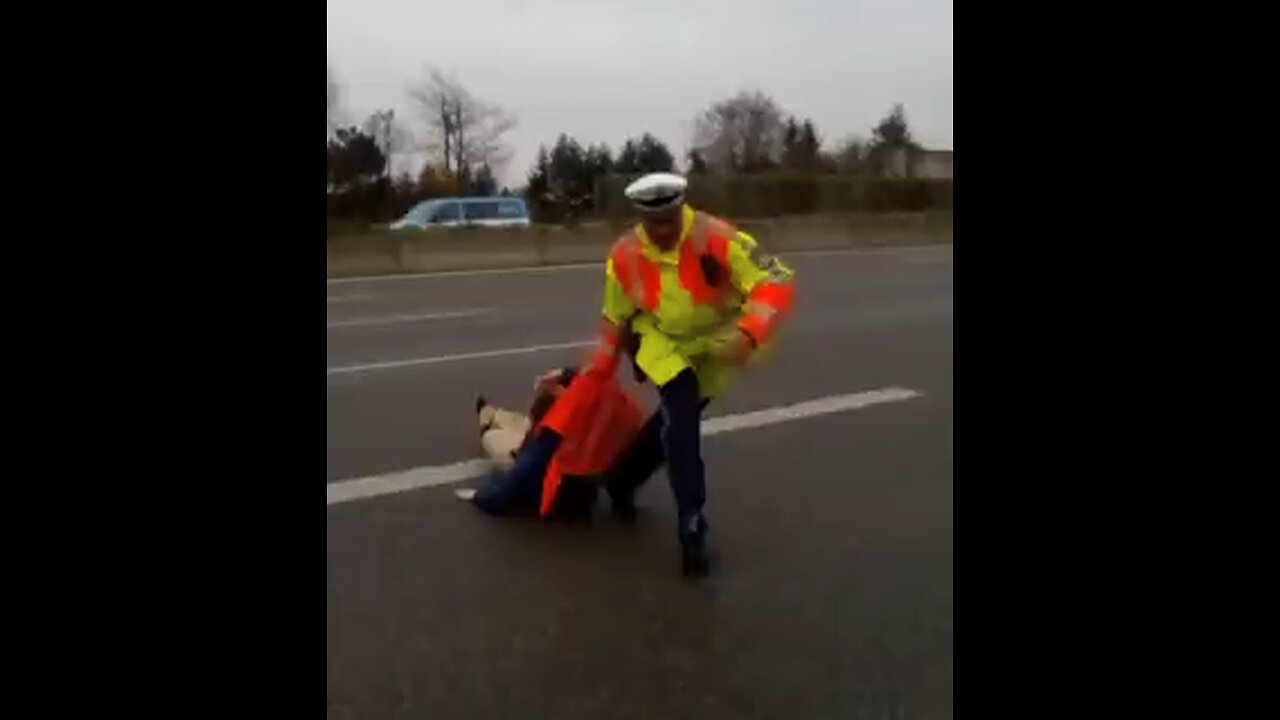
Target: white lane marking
[809, 408]
[908, 251]
[345, 298]
[529, 269]
[424, 477]
[396, 319]
[398, 482]
[367, 367]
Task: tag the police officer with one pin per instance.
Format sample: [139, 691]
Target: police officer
[690, 298]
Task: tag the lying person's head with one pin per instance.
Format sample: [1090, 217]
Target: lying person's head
[547, 388]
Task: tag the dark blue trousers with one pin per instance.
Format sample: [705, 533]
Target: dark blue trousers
[518, 491]
[672, 435]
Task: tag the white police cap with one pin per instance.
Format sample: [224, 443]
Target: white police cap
[657, 191]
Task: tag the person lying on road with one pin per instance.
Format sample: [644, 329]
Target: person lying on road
[552, 462]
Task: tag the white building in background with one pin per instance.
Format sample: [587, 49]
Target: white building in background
[920, 164]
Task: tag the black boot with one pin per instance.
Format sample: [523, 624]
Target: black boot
[695, 557]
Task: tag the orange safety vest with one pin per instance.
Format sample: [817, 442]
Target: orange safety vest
[596, 420]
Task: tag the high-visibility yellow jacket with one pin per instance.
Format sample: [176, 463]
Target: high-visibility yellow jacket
[677, 307]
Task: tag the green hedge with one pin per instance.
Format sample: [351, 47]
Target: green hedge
[772, 195]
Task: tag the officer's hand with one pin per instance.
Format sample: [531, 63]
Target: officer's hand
[733, 348]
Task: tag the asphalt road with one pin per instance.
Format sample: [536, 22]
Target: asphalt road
[832, 594]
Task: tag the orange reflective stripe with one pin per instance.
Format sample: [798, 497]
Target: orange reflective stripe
[698, 234]
[708, 236]
[757, 326]
[650, 282]
[692, 277]
[776, 295]
[623, 257]
[714, 237]
[718, 246]
[640, 279]
[769, 302]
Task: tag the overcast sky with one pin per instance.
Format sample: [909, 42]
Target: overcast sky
[603, 70]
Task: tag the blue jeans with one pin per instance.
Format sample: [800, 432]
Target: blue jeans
[518, 491]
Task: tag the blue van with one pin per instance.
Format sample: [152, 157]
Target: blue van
[502, 211]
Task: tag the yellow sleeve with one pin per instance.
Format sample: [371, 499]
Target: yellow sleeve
[748, 268]
[617, 305]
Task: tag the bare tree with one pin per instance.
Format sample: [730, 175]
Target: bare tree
[390, 136]
[436, 98]
[743, 133]
[464, 132]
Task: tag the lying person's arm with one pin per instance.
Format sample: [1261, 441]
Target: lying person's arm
[547, 388]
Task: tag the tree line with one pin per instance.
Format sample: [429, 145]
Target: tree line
[748, 135]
